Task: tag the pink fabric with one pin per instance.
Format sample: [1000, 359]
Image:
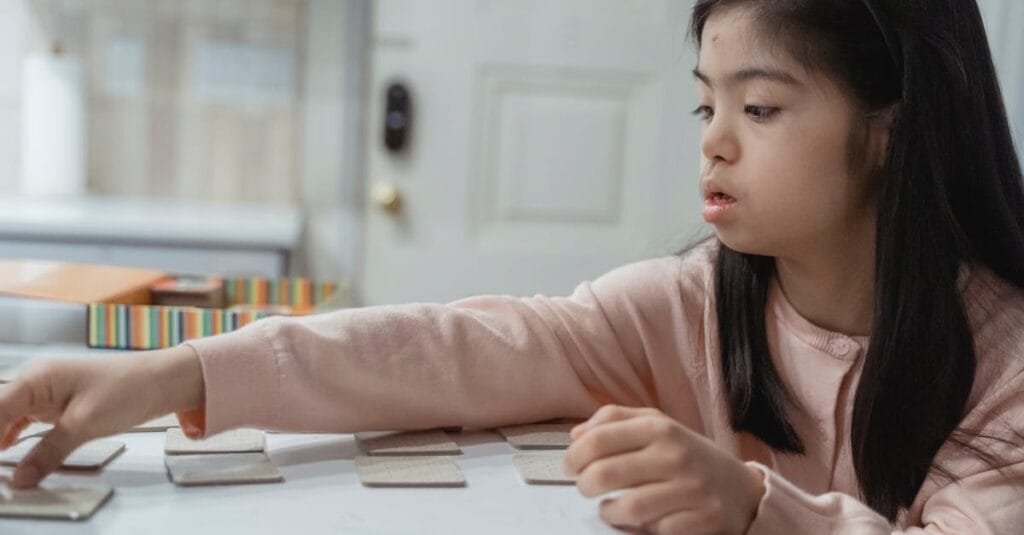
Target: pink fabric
[641, 335]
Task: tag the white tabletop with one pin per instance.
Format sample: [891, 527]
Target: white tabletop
[321, 492]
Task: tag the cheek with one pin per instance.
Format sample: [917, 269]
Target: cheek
[807, 177]
[802, 191]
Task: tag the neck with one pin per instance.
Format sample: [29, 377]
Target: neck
[833, 286]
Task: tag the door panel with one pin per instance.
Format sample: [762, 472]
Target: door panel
[550, 142]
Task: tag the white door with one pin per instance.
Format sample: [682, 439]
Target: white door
[550, 142]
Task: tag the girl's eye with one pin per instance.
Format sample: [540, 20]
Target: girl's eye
[704, 112]
[758, 113]
[761, 113]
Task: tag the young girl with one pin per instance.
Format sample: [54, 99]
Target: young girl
[846, 355]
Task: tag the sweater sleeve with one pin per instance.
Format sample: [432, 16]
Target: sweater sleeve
[990, 502]
[480, 362]
[986, 498]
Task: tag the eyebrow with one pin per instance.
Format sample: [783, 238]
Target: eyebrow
[750, 73]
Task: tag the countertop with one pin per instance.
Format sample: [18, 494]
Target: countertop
[128, 220]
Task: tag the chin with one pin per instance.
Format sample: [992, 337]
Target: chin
[743, 241]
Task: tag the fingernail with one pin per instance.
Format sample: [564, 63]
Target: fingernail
[26, 476]
[192, 431]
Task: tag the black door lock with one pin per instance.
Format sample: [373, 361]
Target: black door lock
[397, 117]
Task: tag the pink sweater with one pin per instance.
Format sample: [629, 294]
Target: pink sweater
[641, 335]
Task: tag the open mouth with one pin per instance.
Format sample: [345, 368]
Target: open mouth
[716, 205]
[718, 198]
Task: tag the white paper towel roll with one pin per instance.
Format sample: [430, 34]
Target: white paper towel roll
[53, 114]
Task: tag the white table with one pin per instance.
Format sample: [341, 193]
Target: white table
[321, 492]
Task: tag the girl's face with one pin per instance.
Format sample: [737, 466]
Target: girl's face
[777, 146]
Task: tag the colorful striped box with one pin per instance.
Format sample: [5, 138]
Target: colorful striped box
[115, 326]
[301, 294]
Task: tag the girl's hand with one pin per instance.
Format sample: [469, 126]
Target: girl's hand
[91, 398]
[675, 480]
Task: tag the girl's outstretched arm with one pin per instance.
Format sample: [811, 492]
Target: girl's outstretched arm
[480, 362]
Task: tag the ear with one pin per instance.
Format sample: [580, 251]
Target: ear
[881, 123]
[885, 117]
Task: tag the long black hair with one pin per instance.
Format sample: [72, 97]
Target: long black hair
[950, 194]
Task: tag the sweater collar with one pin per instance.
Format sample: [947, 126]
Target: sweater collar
[838, 345]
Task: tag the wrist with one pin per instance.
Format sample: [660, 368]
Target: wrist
[178, 380]
[756, 490]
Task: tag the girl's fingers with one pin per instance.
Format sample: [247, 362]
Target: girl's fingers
[610, 413]
[40, 392]
[621, 472]
[46, 457]
[609, 439]
[11, 436]
[643, 505]
[686, 521]
[15, 401]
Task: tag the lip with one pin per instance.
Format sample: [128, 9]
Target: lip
[710, 188]
[715, 207]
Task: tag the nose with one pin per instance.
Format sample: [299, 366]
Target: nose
[718, 141]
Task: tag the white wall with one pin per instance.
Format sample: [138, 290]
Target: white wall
[13, 45]
[1004, 21]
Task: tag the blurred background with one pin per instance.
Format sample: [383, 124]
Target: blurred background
[420, 151]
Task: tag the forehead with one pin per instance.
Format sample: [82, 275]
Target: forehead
[733, 39]
[736, 49]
